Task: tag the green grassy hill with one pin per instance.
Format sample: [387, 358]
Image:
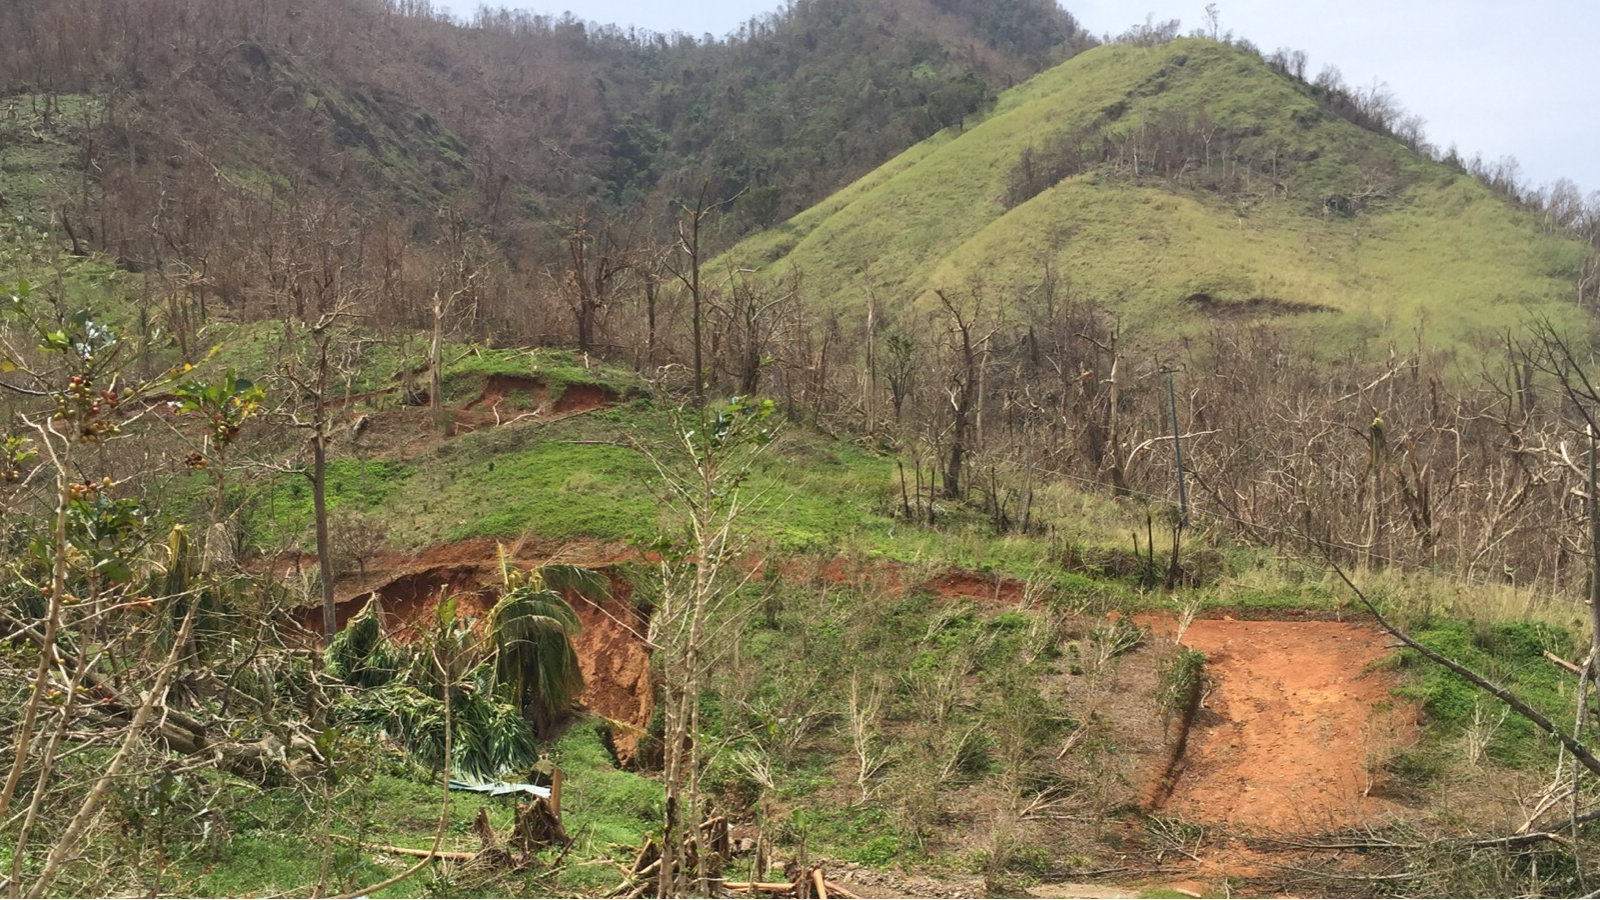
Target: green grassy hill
[1194, 182]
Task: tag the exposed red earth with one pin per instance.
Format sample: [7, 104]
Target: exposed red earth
[506, 398]
[611, 648]
[1289, 736]
[1293, 726]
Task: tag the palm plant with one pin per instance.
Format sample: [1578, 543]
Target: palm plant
[361, 655]
[532, 627]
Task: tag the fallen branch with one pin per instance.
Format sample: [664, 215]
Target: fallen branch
[1579, 752]
[1517, 840]
[1335, 845]
[457, 855]
[89, 812]
[1124, 870]
[764, 887]
[1563, 663]
[1073, 740]
[1398, 876]
[1512, 840]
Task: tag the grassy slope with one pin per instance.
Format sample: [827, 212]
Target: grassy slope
[1444, 253]
[40, 138]
[272, 844]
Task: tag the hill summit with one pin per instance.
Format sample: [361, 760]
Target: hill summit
[1180, 183]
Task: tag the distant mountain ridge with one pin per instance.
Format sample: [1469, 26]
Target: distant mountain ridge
[513, 123]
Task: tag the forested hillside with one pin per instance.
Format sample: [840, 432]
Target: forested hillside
[172, 106]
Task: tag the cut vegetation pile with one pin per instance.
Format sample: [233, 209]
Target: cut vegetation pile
[611, 647]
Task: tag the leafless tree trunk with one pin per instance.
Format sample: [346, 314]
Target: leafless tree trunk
[594, 260]
[315, 387]
[319, 477]
[964, 385]
[702, 474]
[688, 273]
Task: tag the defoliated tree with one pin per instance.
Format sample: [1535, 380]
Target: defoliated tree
[314, 388]
[702, 474]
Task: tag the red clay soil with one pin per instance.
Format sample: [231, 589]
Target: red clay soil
[611, 648]
[575, 398]
[616, 666]
[485, 411]
[497, 387]
[966, 585]
[1293, 728]
[411, 601]
[582, 398]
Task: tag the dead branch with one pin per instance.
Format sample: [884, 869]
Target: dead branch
[1579, 752]
[1562, 663]
[458, 855]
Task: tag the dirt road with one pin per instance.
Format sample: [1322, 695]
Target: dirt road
[1293, 728]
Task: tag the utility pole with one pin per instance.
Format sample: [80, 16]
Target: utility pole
[1594, 550]
[1177, 446]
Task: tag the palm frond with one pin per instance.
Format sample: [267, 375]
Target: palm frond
[535, 664]
[531, 608]
[586, 583]
[359, 654]
[488, 739]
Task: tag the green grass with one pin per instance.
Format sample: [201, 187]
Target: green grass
[272, 849]
[41, 143]
[282, 509]
[550, 489]
[1509, 654]
[1441, 254]
[90, 282]
[584, 478]
[603, 807]
[469, 366]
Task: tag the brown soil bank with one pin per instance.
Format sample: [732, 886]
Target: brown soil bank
[1293, 727]
[504, 395]
[611, 648]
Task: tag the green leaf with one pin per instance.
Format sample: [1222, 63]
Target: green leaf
[115, 570]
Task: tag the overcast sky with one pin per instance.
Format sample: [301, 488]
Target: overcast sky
[1496, 77]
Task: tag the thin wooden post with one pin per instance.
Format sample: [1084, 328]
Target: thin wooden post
[555, 792]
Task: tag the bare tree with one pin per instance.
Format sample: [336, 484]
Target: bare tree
[900, 369]
[686, 267]
[594, 260]
[315, 388]
[701, 475]
[963, 387]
